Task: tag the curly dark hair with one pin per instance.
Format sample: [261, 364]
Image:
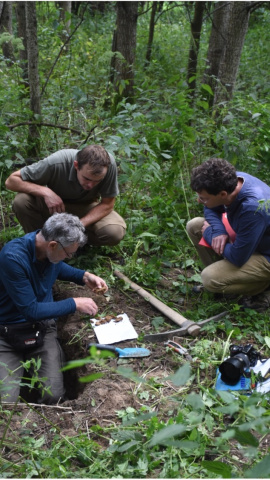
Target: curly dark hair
[214, 175]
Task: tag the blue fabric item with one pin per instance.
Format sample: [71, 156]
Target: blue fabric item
[26, 283]
[249, 216]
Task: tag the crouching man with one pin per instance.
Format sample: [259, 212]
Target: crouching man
[29, 266]
[233, 236]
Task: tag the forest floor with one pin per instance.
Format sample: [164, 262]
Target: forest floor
[102, 402]
[99, 402]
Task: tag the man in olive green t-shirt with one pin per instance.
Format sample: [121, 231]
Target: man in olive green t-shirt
[83, 183]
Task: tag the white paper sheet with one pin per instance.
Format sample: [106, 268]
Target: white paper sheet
[113, 332]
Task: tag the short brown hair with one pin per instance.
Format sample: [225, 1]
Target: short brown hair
[95, 156]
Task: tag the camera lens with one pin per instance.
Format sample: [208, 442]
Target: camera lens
[232, 368]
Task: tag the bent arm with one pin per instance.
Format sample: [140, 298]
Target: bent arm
[105, 207]
[251, 229]
[15, 183]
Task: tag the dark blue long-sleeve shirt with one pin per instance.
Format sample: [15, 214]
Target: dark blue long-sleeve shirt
[26, 283]
[249, 216]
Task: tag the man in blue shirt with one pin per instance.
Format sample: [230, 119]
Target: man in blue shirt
[29, 267]
[233, 237]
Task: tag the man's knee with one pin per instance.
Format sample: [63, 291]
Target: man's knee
[109, 235]
[211, 279]
[19, 203]
[31, 211]
[53, 392]
[194, 225]
[215, 280]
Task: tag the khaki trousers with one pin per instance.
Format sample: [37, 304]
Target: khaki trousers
[221, 276]
[32, 213]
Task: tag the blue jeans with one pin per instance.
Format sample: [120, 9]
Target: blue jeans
[52, 360]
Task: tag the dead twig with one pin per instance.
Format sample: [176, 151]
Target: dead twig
[45, 124]
[43, 405]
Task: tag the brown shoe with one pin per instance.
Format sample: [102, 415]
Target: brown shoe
[260, 302]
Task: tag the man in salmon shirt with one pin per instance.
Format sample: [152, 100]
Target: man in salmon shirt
[233, 237]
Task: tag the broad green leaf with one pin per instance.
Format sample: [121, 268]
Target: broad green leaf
[207, 88]
[227, 397]
[261, 470]
[146, 234]
[167, 432]
[220, 468]
[255, 115]
[127, 446]
[267, 341]
[76, 364]
[246, 438]
[195, 401]
[91, 378]
[182, 375]
[127, 372]
[189, 262]
[140, 418]
[203, 104]
[181, 444]
[229, 409]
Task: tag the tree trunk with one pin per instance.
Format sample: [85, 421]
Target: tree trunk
[65, 17]
[151, 33]
[126, 26]
[196, 27]
[216, 47]
[21, 28]
[6, 26]
[237, 25]
[32, 55]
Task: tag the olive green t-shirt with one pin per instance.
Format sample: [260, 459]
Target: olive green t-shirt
[59, 174]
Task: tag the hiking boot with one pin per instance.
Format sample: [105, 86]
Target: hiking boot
[198, 289]
[260, 302]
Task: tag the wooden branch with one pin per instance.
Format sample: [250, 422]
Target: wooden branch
[43, 405]
[51, 125]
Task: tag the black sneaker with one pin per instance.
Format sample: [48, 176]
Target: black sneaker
[198, 289]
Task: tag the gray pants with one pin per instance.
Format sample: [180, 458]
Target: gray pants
[32, 213]
[52, 360]
[221, 276]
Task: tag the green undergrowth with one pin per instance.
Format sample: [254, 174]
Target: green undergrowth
[194, 432]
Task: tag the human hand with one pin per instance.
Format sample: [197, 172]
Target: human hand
[86, 305]
[94, 282]
[218, 243]
[54, 203]
[205, 226]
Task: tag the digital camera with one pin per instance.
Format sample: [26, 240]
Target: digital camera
[240, 360]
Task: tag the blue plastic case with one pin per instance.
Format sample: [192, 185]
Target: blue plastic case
[243, 384]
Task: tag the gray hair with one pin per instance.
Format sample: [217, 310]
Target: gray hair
[64, 228]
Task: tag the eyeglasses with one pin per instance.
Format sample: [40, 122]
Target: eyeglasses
[68, 254]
